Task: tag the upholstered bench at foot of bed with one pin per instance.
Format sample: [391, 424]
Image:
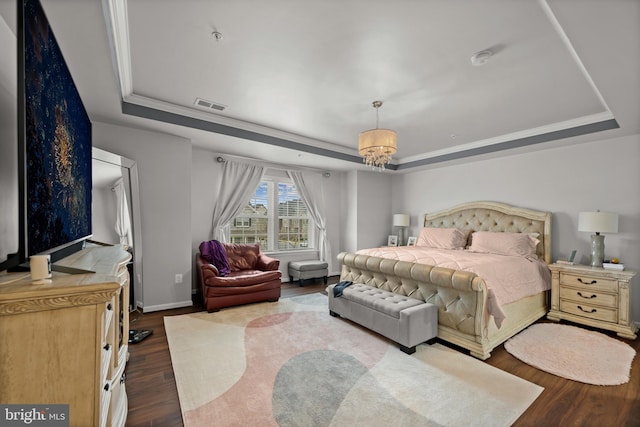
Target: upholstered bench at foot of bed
[304, 270]
[405, 320]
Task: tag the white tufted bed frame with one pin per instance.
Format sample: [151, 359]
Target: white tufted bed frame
[461, 296]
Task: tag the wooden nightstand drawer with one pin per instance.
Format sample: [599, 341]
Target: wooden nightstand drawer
[590, 311]
[589, 281]
[587, 296]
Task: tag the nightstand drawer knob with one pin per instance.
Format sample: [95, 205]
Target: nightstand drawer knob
[593, 310]
[587, 297]
[593, 282]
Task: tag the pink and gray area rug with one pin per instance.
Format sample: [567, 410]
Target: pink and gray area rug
[291, 364]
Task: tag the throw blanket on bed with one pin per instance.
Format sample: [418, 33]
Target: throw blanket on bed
[214, 252]
[508, 278]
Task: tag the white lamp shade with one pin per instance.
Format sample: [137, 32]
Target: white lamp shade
[401, 220]
[380, 141]
[598, 222]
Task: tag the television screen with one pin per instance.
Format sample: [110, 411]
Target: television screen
[57, 138]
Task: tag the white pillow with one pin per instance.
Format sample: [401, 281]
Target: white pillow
[442, 238]
[501, 243]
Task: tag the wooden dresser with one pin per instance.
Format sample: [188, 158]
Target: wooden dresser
[592, 296]
[66, 342]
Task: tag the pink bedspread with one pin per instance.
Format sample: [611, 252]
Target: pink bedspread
[508, 278]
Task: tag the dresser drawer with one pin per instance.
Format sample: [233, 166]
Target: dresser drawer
[590, 311]
[591, 282]
[588, 296]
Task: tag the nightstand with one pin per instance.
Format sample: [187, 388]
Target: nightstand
[592, 296]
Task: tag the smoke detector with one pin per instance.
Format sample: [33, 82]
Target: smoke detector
[481, 58]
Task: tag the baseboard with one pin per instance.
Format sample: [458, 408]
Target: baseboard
[160, 307]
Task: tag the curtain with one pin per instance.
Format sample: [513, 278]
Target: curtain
[123, 218]
[311, 189]
[239, 182]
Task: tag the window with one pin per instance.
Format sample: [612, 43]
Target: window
[242, 222]
[284, 228]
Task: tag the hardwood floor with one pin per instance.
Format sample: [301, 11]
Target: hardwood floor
[153, 397]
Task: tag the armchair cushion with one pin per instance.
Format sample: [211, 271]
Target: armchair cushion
[242, 257]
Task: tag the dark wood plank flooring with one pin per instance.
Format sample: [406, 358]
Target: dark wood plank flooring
[153, 397]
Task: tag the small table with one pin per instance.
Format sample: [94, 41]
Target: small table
[592, 296]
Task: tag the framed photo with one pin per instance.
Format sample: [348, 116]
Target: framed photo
[392, 240]
[411, 241]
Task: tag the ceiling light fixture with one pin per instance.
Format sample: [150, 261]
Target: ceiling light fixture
[376, 146]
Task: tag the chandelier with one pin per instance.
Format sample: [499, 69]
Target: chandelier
[376, 146]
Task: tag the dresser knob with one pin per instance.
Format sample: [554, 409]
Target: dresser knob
[107, 347]
[106, 387]
[593, 310]
[589, 297]
[593, 282]
[109, 305]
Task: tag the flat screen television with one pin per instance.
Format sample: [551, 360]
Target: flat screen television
[54, 142]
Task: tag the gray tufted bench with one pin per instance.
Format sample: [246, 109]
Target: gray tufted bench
[405, 320]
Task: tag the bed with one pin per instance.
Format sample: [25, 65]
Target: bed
[471, 313]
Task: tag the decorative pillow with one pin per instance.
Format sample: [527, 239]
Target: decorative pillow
[516, 244]
[442, 238]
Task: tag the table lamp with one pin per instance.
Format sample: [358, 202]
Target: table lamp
[598, 222]
[402, 221]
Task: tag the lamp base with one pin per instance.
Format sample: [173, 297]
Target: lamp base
[597, 250]
[401, 238]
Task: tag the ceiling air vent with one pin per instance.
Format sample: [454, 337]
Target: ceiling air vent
[208, 105]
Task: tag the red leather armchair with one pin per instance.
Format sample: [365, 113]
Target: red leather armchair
[254, 277]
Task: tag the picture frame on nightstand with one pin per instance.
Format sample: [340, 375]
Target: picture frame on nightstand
[570, 260]
[412, 241]
[392, 240]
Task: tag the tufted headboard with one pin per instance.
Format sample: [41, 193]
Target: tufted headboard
[493, 216]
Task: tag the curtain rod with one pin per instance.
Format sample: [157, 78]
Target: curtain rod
[223, 158]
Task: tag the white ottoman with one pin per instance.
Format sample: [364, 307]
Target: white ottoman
[304, 270]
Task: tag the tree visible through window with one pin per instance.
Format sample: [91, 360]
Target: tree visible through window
[285, 228]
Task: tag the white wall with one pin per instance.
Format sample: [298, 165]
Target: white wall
[164, 163]
[349, 209]
[369, 210]
[205, 179]
[601, 175]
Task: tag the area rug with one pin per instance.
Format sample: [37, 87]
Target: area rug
[291, 364]
[574, 353]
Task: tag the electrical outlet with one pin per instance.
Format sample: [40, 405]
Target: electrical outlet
[178, 278]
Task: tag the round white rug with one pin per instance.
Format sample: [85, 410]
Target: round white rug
[574, 353]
